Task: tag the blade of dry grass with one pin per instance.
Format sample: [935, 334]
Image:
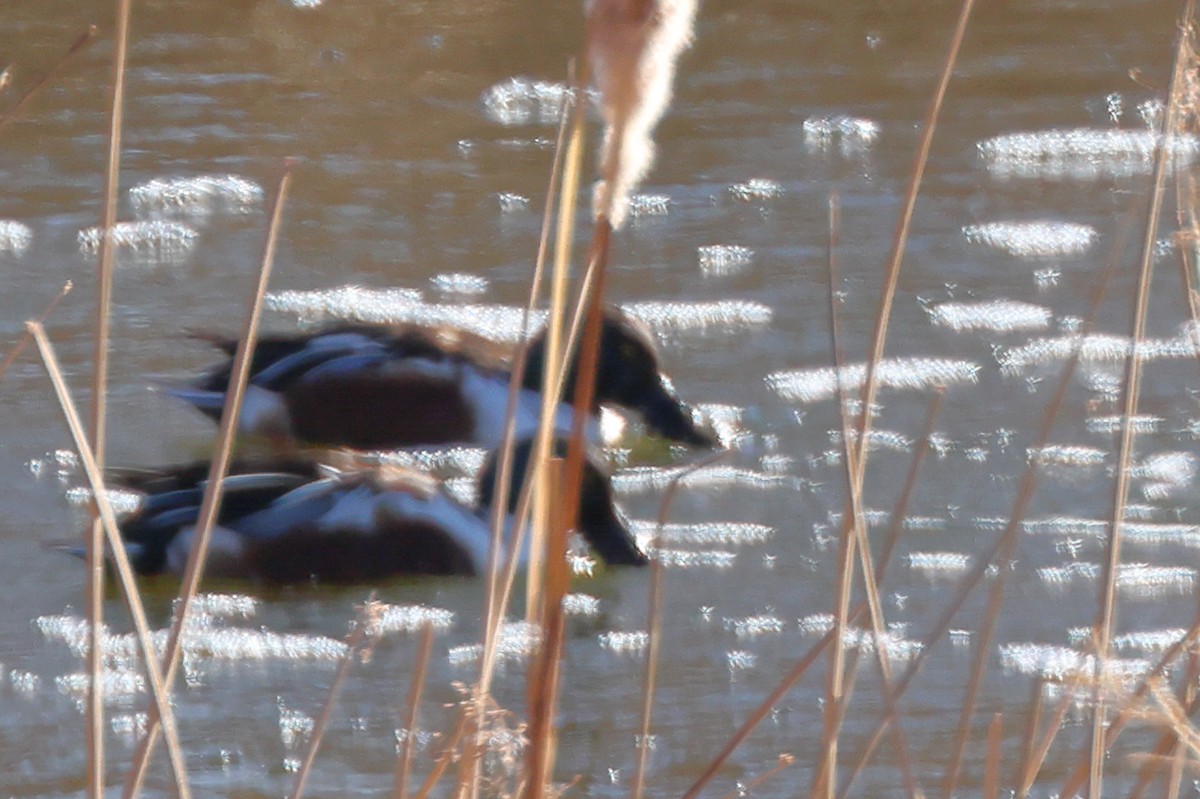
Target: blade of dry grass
[443, 762]
[1033, 720]
[654, 619]
[26, 336]
[854, 533]
[900, 236]
[1188, 697]
[566, 170]
[1002, 548]
[358, 645]
[80, 44]
[1037, 756]
[119, 558]
[825, 777]
[991, 767]
[210, 504]
[1076, 779]
[94, 713]
[413, 705]
[1132, 390]
[792, 677]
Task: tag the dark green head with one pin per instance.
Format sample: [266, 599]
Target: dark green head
[600, 523]
[627, 375]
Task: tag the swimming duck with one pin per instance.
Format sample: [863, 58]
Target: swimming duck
[300, 523]
[385, 388]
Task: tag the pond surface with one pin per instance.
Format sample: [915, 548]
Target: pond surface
[424, 143]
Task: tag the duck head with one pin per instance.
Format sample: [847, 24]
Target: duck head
[600, 521]
[628, 375]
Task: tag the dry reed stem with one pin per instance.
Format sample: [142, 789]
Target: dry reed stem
[1189, 698]
[1154, 761]
[854, 532]
[553, 360]
[94, 714]
[413, 705]
[785, 761]
[503, 560]
[1175, 716]
[825, 777]
[499, 593]
[982, 648]
[1038, 755]
[991, 766]
[544, 688]
[1003, 546]
[442, 763]
[214, 488]
[802, 666]
[896, 525]
[120, 558]
[900, 236]
[654, 619]
[1076, 779]
[1033, 720]
[358, 643]
[1132, 384]
[544, 677]
[80, 44]
[26, 337]
[501, 486]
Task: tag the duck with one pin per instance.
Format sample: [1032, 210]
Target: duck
[380, 388]
[287, 523]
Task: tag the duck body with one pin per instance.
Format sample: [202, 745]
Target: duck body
[288, 524]
[379, 388]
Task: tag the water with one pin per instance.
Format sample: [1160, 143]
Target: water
[407, 179]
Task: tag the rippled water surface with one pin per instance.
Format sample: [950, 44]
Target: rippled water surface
[423, 133]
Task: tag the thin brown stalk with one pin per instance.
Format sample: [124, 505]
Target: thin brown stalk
[1188, 697]
[94, 713]
[759, 713]
[25, 338]
[1168, 740]
[1078, 777]
[210, 504]
[79, 45]
[900, 235]
[1002, 548]
[802, 666]
[503, 560]
[853, 530]
[900, 512]
[500, 490]
[119, 557]
[991, 766]
[553, 359]
[1038, 755]
[440, 765]
[1132, 383]
[785, 761]
[409, 731]
[357, 643]
[654, 619]
[546, 674]
[825, 777]
[1033, 720]
[540, 757]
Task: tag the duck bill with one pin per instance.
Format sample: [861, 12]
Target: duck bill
[611, 540]
[668, 416]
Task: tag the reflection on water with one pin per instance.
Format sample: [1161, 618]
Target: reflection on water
[424, 134]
